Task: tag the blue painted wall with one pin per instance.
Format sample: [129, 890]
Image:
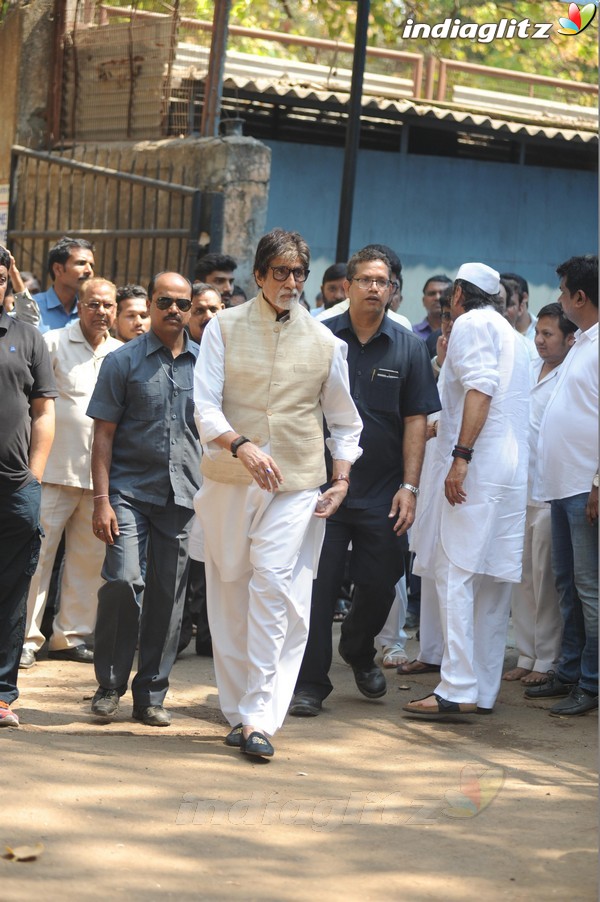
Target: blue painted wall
[437, 213]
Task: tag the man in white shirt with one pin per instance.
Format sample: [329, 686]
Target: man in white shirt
[568, 478]
[535, 611]
[76, 353]
[478, 508]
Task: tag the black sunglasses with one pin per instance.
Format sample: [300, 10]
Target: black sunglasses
[183, 304]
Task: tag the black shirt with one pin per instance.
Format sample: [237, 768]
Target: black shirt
[390, 379]
[25, 374]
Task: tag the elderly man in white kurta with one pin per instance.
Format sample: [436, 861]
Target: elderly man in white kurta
[266, 375]
[478, 511]
[77, 353]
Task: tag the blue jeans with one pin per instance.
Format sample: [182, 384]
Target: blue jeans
[575, 566]
[20, 541]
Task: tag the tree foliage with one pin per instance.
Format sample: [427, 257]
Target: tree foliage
[574, 58]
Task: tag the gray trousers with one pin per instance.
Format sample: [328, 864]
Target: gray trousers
[153, 540]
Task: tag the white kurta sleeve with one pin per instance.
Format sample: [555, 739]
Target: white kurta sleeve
[343, 421]
[476, 354]
[209, 376]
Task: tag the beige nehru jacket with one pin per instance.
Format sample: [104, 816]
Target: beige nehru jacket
[274, 374]
[76, 366]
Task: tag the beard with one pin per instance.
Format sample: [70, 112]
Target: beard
[285, 299]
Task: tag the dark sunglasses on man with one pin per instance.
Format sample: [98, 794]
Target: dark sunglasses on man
[183, 304]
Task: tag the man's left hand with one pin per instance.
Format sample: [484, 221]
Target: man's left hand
[404, 505]
[330, 500]
[453, 485]
[591, 508]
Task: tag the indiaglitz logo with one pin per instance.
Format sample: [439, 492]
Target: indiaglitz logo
[477, 791]
[579, 19]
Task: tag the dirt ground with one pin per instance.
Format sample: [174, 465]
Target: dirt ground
[358, 803]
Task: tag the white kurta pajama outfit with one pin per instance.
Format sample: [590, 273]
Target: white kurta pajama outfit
[67, 497]
[535, 609]
[475, 548]
[273, 382]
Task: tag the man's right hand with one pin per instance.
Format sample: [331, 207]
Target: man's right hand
[261, 466]
[104, 521]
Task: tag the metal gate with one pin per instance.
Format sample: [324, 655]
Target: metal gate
[139, 225]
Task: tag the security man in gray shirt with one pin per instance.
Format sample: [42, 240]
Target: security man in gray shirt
[145, 469]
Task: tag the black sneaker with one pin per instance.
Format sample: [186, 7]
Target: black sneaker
[105, 702]
[552, 688]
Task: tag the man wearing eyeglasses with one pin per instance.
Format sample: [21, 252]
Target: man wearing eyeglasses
[76, 354]
[392, 385]
[145, 462]
[267, 373]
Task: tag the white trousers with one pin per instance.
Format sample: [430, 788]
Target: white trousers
[535, 611]
[474, 612]
[431, 636]
[70, 509]
[393, 629]
[261, 554]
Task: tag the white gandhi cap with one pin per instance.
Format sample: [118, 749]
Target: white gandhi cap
[482, 276]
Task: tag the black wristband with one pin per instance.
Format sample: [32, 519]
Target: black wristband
[462, 453]
[237, 443]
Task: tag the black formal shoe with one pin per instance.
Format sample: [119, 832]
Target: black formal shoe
[304, 704]
[370, 682]
[481, 710]
[152, 715]
[105, 702]
[80, 653]
[552, 688]
[578, 701]
[234, 737]
[258, 745]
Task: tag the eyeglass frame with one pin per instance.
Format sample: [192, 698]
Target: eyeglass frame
[94, 306]
[291, 272]
[359, 279]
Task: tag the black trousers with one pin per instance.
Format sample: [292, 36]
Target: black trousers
[376, 565]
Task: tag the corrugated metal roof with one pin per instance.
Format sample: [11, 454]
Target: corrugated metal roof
[533, 125]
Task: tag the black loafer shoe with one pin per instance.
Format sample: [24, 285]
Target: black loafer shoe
[371, 682]
[105, 702]
[579, 701]
[258, 745]
[552, 688]
[152, 715]
[234, 737]
[305, 705]
[79, 653]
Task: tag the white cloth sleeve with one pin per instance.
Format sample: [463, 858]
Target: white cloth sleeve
[343, 421]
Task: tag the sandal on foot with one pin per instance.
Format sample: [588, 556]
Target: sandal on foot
[393, 655]
[517, 673]
[257, 744]
[442, 709]
[417, 667]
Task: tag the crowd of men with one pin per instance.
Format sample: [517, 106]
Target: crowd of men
[182, 458]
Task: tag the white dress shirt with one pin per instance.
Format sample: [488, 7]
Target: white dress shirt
[568, 442]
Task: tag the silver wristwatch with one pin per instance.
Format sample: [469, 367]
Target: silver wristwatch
[596, 481]
[411, 488]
